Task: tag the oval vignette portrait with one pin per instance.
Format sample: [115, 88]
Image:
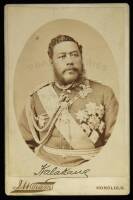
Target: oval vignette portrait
[66, 92]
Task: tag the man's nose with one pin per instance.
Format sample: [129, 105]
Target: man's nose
[69, 60]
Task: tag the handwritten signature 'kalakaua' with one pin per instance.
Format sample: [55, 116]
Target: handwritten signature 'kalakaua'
[47, 170]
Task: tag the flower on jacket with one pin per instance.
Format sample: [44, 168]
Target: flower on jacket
[94, 122]
[100, 111]
[82, 116]
[91, 119]
[91, 108]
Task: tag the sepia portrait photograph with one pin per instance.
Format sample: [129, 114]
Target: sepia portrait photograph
[67, 94]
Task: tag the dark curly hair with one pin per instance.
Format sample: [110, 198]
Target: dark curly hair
[58, 39]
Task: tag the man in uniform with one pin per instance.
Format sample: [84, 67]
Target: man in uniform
[67, 121]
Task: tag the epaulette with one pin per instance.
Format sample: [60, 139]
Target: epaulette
[44, 84]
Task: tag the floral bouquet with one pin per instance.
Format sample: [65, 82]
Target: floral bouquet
[91, 120]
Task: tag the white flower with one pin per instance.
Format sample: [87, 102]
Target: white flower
[94, 121]
[100, 111]
[91, 108]
[91, 118]
[82, 116]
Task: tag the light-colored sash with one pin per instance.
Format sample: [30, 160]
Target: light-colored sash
[66, 124]
[87, 154]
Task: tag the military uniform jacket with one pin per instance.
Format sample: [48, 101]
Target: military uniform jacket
[96, 125]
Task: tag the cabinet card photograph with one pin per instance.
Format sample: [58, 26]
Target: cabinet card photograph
[67, 99]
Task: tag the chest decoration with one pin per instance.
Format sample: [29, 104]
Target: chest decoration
[84, 91]
[91, 119]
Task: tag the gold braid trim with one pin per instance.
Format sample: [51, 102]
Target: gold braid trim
[33, 126]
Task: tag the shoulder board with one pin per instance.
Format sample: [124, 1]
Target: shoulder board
[44, 84]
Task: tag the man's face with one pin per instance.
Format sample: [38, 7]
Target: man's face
[67, 62]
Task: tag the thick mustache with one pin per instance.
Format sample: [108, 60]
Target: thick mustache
[71, 68]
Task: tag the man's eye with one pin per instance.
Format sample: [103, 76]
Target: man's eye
[75, 54]
[61, 57]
